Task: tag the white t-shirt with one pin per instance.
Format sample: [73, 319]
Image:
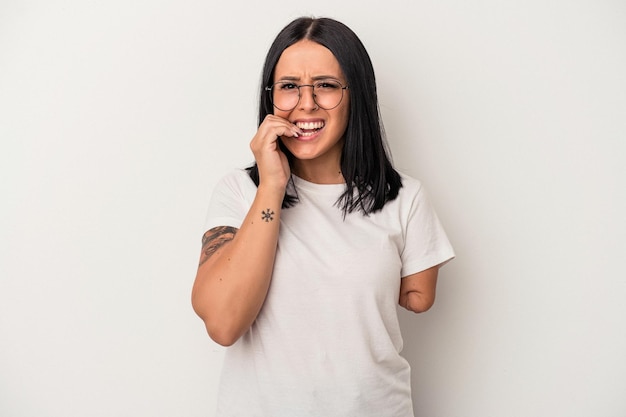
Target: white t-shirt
[327, 340]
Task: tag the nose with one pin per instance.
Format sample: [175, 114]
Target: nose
[307, 98]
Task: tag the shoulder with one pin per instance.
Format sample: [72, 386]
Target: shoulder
[410, 195]
[236, 176]
[230, 199]
[236, 179]
[234, 185]
[411, 187]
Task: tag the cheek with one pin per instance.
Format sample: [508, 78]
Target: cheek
[280, 113]
[343, 117]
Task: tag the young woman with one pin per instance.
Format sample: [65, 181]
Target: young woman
[310, 250]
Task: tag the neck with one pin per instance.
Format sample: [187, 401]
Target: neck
[318, 174]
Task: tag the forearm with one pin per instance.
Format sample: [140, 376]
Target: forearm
[232, 283]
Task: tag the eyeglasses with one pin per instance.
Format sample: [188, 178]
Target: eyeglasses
[285, 95]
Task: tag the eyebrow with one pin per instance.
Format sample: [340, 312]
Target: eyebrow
[316, 78]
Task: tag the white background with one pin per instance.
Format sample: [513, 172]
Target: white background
[117, 118]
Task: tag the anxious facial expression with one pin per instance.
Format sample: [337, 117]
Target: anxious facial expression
[307, 62]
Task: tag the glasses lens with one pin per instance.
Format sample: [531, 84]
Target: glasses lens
[285, 95]
[327, 94]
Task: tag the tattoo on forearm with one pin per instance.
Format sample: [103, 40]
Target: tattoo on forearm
[267, 215]
[215, 239]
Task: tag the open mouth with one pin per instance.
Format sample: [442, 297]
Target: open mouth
[310, 128]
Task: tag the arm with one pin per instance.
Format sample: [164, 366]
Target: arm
[236, 265]
[417, 291]
[235, 271]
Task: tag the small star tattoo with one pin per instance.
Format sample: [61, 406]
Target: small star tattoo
[267, 215]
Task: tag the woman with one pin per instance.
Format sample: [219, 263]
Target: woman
[309, 251]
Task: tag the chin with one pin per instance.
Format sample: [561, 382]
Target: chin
[306, 150]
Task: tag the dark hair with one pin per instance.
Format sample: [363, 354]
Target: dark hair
[365, 160]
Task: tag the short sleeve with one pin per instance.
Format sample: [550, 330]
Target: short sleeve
[230, 200]
[425, 242]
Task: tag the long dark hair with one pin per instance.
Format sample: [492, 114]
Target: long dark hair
[366, 164]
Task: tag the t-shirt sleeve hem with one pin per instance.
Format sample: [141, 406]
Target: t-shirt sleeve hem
[222, 221]
[423, 264]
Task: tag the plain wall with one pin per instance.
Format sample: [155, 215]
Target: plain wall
[117, 118]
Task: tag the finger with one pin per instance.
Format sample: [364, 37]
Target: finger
[292, 131]
[289, 129]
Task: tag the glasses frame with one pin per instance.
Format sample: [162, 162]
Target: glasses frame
[271, 87]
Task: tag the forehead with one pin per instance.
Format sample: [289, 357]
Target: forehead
[307, 59]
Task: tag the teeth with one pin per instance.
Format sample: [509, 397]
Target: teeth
[310, 125]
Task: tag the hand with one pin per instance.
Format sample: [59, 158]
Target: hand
[272, 162]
